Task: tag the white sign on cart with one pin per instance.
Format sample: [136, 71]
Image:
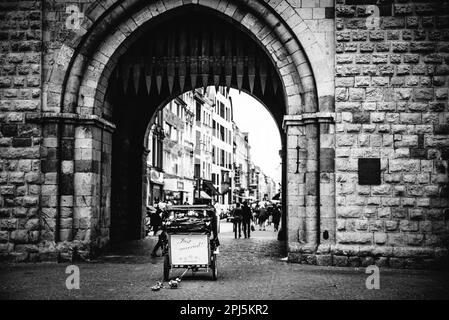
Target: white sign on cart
[188, 249]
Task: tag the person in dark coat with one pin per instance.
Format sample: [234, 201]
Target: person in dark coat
[276, 217]
[247, 218]
[237, 217]
[163, 237]
[156, 220]
[256, 214]
[269, 215]
[263, 216]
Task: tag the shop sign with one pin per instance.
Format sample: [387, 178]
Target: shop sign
[156, 176]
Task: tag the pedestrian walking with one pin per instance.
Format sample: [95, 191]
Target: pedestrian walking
[156, 220]
[163, 237]
[276, 217]
[269, 215]
[247, 218]
[237, 217]
[263, 215]
[256, 213]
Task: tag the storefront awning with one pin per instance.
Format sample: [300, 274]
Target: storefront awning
[208, 185]
[204, 195]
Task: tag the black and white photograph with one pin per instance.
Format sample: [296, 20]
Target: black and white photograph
[224, 155]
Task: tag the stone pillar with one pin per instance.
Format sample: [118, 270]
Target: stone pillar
[105, 186]
[295, 191]
[67, 167]
[91, 183]
[86, 182]
[310, 179]
[49, 197]
[327, 184]
[312, 191]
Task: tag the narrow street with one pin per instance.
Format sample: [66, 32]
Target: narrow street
[248, 269]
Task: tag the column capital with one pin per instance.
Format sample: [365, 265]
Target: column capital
[307, 118]
[75, 118]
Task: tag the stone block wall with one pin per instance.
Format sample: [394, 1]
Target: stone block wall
[21, 181]
[391, 98]
[314, 25]
[36, 154]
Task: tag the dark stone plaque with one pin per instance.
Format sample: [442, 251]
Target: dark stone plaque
[369, 171]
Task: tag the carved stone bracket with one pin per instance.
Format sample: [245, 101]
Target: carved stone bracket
[75, 118]
[307, 118]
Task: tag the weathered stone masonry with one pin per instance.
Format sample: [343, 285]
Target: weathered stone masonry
[352, 90]
[21, 178]
[391, 93]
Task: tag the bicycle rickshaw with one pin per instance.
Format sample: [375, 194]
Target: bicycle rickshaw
[192, 232]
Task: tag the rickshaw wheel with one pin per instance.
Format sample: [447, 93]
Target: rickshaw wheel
[166, 268]
[214, 267]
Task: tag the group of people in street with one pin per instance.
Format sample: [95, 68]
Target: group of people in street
[246, 217]
[243, 216]
[267, 215]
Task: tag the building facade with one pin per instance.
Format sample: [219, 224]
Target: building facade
[360, 89]
[178, 151]
[155, 158]
[194, 149]
[242, 161]
[222, 144]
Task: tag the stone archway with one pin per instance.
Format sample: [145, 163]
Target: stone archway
[89, 132]
[167, 61]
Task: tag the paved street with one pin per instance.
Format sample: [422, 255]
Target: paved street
[248, 269]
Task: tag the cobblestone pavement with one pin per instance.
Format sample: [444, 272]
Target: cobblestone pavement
[248, 269]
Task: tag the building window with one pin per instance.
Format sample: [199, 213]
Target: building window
[197, 169]
[222, 112]
[167, 129]
[197, 141]
[198, 111]
[155, 151]
[204, 170]
[173, 134]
